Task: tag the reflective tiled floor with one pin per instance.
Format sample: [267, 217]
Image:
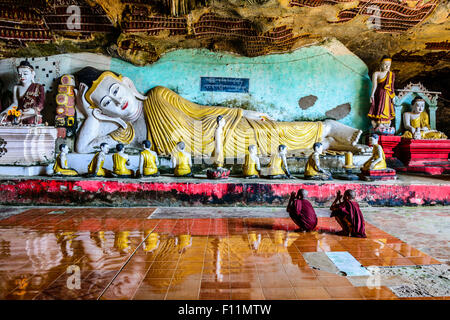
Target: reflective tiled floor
[102, 253]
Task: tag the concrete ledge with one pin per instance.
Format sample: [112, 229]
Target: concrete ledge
[170, 191]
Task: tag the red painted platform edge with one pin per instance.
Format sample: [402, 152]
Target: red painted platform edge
[120, 193]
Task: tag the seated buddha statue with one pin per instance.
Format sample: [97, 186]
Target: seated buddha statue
[28, 96]
[60, 167]
[252, 166]
[417, 124]
[120, 162]
[278, 168]
[95, 167]
[116, 112]
[377, 161]
[313, 170]
[148, 161]
[181, 161]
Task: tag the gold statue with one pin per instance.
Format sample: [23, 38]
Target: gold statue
[417, 123]
[95, 167]
[377, 161]
[60, 167]
[148, 161]
[116, 112]
[251, 167]
[120, 162]
[313, 170]
[278, 168]
[181, 161]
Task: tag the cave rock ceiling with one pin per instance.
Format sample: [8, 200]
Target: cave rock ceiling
[415, 33]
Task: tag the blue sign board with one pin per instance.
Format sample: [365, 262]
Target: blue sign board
[224, 84]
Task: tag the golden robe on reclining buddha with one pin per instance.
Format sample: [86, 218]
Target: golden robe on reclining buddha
[116, 112]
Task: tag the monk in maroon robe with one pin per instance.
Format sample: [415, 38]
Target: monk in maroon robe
[348, 215]
[301, 211]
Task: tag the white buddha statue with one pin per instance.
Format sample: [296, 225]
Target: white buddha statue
[417, 123]
[116, 112]
[28, 96]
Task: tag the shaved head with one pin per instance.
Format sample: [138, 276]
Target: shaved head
[302, 193]
[350, 194]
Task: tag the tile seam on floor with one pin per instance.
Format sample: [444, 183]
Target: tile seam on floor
[126, 262]
[203, 266]
[256, 268]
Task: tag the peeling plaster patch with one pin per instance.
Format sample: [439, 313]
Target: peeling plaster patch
[340, 112]
[307, 101]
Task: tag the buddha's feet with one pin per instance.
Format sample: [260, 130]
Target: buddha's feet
[362, 148]
[355, 137]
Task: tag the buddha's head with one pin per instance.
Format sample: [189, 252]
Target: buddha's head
[282, 149]
[26, 72]
[181, 145]
[418, 105]
[373, 139]
[146, 144]
[104, 147]
[220, 121]
[318, 147]
[112, 94]
[385, 64]
[63, 148]
[120, 147]
[252, 149]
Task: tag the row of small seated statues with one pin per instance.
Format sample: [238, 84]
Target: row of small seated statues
[181, 162]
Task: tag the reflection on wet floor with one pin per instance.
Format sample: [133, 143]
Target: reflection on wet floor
[90, 253]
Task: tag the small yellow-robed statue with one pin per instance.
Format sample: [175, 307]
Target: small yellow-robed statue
[313, 170]
[181, 161]
[60, 167]
[278, 168]
[251, 167]
[417, 123]
[148, 161]
[377, 161]
[120, 162]
[95, 167]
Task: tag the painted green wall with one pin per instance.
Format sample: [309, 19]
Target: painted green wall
[277, 82]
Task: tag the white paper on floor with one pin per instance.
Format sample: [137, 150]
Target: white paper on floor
[345, 262]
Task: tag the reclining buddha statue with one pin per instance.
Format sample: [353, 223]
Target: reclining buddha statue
[116, 112]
